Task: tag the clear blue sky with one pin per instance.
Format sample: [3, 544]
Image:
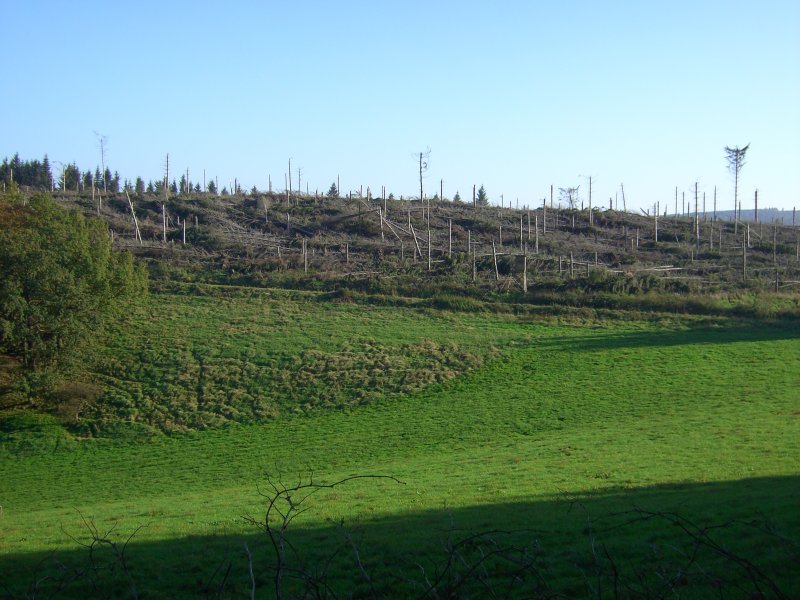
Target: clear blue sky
[512, 95]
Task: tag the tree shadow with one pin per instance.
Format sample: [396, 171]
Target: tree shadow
[724, 539]
[702, 334]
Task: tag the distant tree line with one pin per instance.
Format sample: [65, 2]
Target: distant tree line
[32, 173]
[38, 175]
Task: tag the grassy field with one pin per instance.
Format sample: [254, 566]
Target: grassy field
[596, 446]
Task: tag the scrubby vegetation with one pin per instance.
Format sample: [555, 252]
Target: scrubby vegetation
[404, 247]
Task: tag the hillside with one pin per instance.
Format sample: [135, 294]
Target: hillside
[551, 442]
[526, 443]
[413, 248]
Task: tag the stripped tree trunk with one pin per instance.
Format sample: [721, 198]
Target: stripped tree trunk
[525, 272]
[138, 234]
[494, 256]
[449, 238]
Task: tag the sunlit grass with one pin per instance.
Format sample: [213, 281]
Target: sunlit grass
[539, 413]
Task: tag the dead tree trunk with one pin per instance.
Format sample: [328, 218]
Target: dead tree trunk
[525, 273]
[137, 233]
[166, 181]
[544, 213]
[775, 245]
[429, 249]
[421, 197]
[416, 241]
[449, 238]
[755, 209]
[744, 259]
[714, 218]
[474, 267]
[696, 218]
[529, 225]
[704, 207]
[494, 256]
[655, 225]
[591, 216]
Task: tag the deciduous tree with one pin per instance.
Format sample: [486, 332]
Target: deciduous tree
[59, 280]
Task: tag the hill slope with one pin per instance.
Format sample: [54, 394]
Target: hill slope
[672, 447]
[324, 243]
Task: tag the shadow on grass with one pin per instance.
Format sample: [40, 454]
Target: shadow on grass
[728, 539]
[701, 334]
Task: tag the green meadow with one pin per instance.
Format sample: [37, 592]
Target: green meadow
[586, 454]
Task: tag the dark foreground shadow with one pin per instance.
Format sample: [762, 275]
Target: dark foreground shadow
[701, 334]
[718, 540]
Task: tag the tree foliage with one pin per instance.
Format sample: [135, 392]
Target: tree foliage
[59, 280]
[70, 177]
[32, 173]
[483, 198]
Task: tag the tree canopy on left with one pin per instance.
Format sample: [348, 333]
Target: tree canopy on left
[60, 280]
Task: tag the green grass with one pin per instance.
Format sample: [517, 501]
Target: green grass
[227, 359]
[545, 427]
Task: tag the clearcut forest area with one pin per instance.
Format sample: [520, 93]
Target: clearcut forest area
[313, 396]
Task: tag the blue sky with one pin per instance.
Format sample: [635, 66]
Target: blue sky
[512, 95]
